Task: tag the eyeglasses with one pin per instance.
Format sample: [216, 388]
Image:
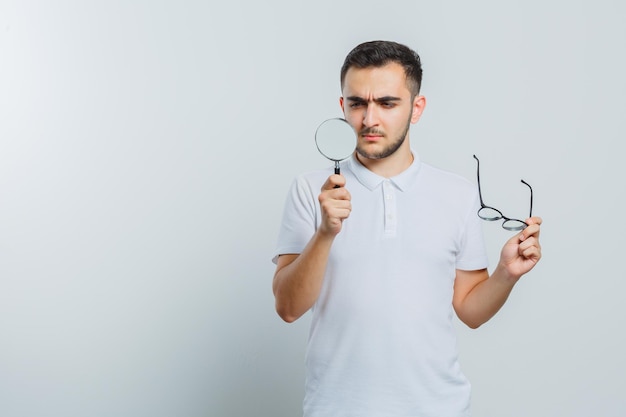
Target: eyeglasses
[492, 214]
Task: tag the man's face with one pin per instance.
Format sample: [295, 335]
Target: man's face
[377, 103]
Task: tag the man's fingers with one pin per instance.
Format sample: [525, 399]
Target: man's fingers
[533, 229]
[334, 181]
[336, 207]
[333, 189]
[335, 203]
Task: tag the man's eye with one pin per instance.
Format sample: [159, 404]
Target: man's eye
[356, 105]
[388, 104]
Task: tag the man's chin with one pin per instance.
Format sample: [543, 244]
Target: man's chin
[368, 154]
[374, 152]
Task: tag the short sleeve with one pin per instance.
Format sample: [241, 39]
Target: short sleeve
[299, 220]
[472, 255]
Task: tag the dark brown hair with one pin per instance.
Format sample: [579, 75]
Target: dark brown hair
[381, 53]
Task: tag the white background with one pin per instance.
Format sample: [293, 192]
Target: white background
[146, 148]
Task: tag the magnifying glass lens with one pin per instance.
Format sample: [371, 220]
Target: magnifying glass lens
[336, 140]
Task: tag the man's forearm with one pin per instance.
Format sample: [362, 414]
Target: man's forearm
[486, 298]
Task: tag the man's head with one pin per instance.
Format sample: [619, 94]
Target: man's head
[380, 53]
[380, 83]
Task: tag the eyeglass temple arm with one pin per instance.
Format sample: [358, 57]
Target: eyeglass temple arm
[531, 197]
[480, 194]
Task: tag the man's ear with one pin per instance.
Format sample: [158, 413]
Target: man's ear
[341, 104]
[419, 104]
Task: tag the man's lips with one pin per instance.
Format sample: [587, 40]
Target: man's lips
[372, 138]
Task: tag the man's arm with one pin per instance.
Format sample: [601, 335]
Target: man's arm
[478, 296]
[298, 278]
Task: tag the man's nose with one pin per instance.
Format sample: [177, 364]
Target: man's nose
[370, 118]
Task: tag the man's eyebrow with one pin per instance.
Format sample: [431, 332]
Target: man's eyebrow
[377, 100]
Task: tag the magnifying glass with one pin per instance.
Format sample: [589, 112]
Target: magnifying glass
[336, 140]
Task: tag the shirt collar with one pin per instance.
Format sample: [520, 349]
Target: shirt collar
[370, 180]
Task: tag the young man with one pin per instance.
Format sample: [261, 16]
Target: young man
[383, 259]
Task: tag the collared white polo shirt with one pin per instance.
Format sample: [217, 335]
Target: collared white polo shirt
[382, 341]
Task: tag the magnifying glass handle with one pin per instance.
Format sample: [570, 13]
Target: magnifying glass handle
[337, 171]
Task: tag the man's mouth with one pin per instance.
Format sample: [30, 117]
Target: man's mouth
[371, 135]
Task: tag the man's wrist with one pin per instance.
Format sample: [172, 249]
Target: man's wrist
[502, 275]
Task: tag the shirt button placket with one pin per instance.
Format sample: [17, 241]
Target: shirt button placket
[390, 208]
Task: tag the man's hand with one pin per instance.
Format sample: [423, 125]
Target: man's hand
[335, 203]
[522, 252]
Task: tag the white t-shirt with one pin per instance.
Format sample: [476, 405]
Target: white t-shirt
[382, 341]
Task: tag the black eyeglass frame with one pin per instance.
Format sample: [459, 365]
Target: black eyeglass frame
[508, 223]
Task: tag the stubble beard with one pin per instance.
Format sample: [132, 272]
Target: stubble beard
[389, 150]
